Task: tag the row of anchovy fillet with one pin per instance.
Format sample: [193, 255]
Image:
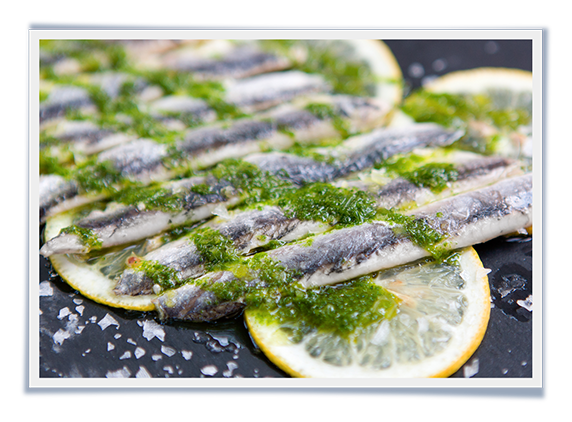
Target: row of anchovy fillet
[490, 198]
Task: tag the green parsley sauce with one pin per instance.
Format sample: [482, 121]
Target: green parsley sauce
[346, 76]
[418, 231]
[257, 185]
[215, 249]
[86, 236]
[327, 112]
[345, 309]
[457, 110]
[160, 274]
[433, 175]
[329, 204]
[152, 197]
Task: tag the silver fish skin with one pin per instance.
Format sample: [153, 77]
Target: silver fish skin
[180, 255]
[257, 227]
[355, 153]
[86, 138]
[375, 147]
[163, 108]
[247, 230]
[264, 91]
[341, 255]
[54, 189]
[142, 160]
[473, 174]
[236, 63]
[62, 99]
[122, 224]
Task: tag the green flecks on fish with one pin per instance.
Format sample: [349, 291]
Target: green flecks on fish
[346, 76]
[215, 249]
[458, 110]
[415, 168]
[417, 230]
[95, 176]
[257, 185]
[86, 236]
[345, 309]
[160, 274]
[152, 197]
[325, 112]
[326, 203]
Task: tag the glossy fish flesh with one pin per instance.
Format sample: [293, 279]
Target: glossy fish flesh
[341, 255]
[122, 224]
[234, 63]
[254, 228]
[143, 160]
[270, 89]
[356, 153]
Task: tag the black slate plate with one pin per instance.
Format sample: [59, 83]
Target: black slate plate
[80, 338]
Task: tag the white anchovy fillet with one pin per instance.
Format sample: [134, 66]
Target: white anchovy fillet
[268, 90]
[142, 160]
[86, 138]
[340, 255]
[230, 62]
[251, 229]
[139, 161]
[356, 153]
[64, 98]
[440, 136]
[122, 224]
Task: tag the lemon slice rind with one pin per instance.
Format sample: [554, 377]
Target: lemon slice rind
[88, 280]
[466, 337]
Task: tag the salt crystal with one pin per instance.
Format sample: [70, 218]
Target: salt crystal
[168, 351]
[142, 373]
[120, 373]
[106, 321]
[64, 312]
[139, 352]
[209, 370]
[151, 330]
[471, 369]
[187, 354]
[46, 289]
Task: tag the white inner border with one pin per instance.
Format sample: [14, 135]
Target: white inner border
[535, 35]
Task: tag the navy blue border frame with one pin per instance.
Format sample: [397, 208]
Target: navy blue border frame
[374, 395]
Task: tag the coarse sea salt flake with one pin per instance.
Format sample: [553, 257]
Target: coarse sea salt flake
[46, 289]
[126, 355]
[60, 336]
[209, 370]
[471, 369]
[120, 373]
[168, 351]
[64, 312]
[143, 373]
[151, 330]
[106, 321]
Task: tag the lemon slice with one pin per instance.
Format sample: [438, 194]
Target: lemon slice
[499, 115]
[88, 278]
[384, 67]
[441, 315]
[362, 67]
[482, 79]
